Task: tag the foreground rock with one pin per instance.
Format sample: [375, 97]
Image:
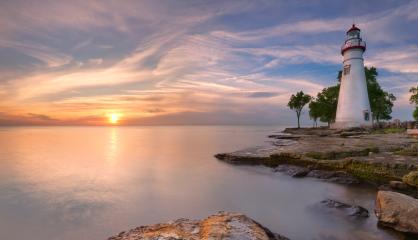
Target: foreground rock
[224, 225]
[397, 211]
[350, 210]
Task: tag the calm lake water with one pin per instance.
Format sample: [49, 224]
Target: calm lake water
[93, 182]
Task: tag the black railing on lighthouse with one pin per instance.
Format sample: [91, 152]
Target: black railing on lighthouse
[353, 44]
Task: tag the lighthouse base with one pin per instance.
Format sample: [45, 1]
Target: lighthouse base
[351, 124]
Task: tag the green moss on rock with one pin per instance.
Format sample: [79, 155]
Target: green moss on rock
[372, 172]
[411, 179]
[330, 155]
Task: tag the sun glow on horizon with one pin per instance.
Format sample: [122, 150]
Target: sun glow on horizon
[114, 118]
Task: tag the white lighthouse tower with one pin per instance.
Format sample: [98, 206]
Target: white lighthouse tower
[353, 102]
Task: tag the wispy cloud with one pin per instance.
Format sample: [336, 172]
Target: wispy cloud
[77, 61]
[46, 55]
[402, 59]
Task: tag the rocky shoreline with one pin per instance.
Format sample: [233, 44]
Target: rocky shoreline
[387, 160]
[378, 159]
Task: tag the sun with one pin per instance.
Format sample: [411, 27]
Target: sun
[114, 118]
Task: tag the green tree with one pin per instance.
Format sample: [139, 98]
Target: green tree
[415, 113]
[414, 99]
[381, 102]
[314, 111]
[297, 102]
[326, 102]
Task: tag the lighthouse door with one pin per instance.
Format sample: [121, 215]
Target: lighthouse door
[366, 115]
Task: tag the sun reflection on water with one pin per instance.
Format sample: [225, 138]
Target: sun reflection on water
[111, 157]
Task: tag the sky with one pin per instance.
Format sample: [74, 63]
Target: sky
[190, 61]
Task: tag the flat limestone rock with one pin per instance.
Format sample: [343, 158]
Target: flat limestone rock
[373, 158]
[397, 211]
[223, 225]
[332, 147]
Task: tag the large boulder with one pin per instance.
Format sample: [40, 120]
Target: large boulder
[224, 225]
[397, 211]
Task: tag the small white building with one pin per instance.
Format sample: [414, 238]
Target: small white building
[353, 102]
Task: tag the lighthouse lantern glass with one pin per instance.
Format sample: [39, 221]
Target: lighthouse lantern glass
[354, 34]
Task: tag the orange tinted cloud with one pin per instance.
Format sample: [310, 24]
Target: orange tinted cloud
[74, 62]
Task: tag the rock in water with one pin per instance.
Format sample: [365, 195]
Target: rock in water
[333, 176]
[398, 185]
[293, 171]
[224, 225]
[351, 210]
[397, 211]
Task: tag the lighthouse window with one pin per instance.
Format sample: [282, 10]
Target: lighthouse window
[346, 69]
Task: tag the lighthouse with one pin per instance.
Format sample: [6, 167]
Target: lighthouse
[353, 108]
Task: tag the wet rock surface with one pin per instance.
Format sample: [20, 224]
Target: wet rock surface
[329, 176]
[224, 225]
[397, 211]
[333, 176]
[293, 171]
[397, 185]
[347, 209]
[284, 136]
